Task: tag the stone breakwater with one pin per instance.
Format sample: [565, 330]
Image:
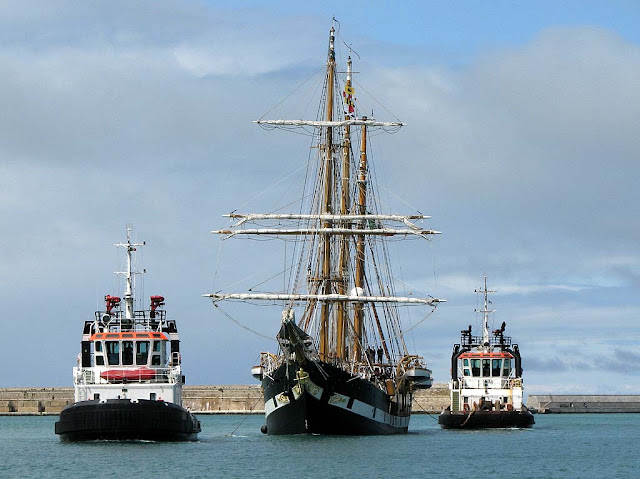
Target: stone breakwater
[226, 399]
[565, 403]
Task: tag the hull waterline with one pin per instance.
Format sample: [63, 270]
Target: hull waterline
[486, 419]
[335, 403]
[123, 419]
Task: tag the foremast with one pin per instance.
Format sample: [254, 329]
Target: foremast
[325, 243]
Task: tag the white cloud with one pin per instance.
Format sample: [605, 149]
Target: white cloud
[526, 159]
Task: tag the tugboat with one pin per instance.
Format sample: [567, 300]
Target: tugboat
[486, 380]
[343, 366]
[128, 381]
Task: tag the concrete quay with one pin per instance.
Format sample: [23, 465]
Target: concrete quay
[564, 403]
[223, 399]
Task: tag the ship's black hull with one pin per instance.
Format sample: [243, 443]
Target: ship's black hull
[335, 402]
[122, 419]
[486, 419]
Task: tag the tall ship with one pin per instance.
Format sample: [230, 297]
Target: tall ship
[342, 365]
[486, 380]
[128, 380]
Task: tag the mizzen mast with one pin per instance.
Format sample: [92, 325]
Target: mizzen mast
[361, 209]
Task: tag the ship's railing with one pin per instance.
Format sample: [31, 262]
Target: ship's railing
[477, 382]
[375, 371]
[467, 340]
[87, 376]
[148, 314]
[141, 322]
[144, 315]
[514, 383]
[270, 361]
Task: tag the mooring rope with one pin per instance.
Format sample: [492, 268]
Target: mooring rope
[244, 419]
[425, 411]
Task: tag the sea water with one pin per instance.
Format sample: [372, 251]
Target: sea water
[558, 446]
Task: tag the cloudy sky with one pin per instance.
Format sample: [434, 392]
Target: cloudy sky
[521, 142]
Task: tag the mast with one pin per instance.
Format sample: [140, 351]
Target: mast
[344, 242]
[358, 316]
[485, 313]
[128, 274]
[327, 207]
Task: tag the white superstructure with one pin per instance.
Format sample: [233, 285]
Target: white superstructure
[486, 370]
[129, 354]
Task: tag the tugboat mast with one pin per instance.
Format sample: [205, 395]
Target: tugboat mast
[128, 274]
[485, 312]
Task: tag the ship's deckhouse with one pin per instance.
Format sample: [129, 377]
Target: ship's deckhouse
[129, 353]
[136, 361]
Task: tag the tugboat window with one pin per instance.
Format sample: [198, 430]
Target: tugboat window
[466, 370]
[155, 360]
[113, 352]
[100, 360]
[496, 366]
[506, 369]
[98, 345]
[485, 367]
[156, 345]
[127, 353]
[475, 367]
[142, 352]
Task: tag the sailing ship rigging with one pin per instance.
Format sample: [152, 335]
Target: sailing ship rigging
[343, 366]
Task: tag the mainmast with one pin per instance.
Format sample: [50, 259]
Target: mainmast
[344, 241]
[485, 313]
[327, 207]
[128, 274]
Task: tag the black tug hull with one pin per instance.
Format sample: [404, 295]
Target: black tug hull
[335, 402]
[122, 419]
[486, 419]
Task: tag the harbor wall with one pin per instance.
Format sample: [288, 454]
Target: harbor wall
[226, 399]
[247, 399]
[563, 404]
